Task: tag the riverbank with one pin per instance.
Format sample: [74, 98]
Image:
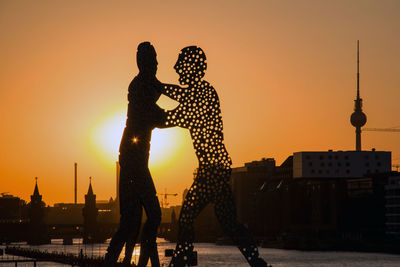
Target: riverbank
[213, 255]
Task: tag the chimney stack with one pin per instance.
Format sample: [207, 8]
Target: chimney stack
[76, 181]
[117, 182]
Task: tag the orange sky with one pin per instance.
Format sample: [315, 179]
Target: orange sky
[284, 71]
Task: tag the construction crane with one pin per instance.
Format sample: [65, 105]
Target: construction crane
[393, 130]
[382, 129]
[165, 195]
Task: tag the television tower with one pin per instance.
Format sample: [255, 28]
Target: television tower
[358, 118]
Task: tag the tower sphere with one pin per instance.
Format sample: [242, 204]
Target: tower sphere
[358, 118]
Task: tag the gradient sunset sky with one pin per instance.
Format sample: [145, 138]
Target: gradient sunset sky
[285, 72]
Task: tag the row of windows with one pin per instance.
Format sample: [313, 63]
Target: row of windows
[319, 171]
[393, 229]
[393, 219]
[393, 192]
[339, 164]
[336, 157]
[359, 184]
[395, 210]
[392, 201]
[394, 181]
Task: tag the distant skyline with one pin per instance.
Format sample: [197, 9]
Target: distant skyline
[285, 72]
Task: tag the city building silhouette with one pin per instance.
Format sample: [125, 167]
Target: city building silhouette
[341, 164]
[13, 218]
[311, 211]
[245, 182]
[11, 208]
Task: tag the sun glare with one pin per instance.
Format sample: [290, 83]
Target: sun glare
[106, 137]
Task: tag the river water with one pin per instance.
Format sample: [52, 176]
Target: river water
[213, 255]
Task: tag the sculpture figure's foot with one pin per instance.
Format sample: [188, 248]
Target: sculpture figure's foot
[108, 261]
[127, 263]
[177, 262]
[259, 262]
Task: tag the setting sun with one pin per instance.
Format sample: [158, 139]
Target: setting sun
[106, 136]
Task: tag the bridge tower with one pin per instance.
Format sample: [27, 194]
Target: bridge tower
[37, 229]
[90, 213]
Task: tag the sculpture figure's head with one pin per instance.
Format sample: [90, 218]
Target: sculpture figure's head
[191, 65]
[146, 59]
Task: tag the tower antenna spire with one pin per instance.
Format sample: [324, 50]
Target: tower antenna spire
[358, 69]
[358, 118]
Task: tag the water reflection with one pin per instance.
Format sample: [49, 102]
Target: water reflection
[213, 255]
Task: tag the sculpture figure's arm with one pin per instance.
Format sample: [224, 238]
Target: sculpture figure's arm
[177, 117]
[175, 92]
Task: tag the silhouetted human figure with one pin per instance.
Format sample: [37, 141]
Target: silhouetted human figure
[199, 111]
[136, 186]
